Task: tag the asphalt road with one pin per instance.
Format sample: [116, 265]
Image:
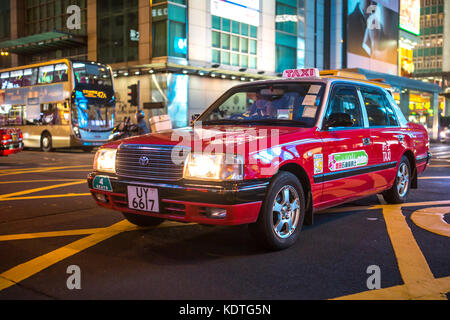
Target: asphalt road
[49, 222]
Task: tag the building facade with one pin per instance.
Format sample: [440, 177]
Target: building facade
[186, 53]
[432, 54]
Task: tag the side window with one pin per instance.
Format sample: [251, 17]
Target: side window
[60, 73]
[375, 107]
[345, 100]
[5, 80]
[15, 79]
[29, 77]
[392, 117]
[379, 110]
[45, 74]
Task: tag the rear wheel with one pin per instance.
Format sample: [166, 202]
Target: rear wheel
[399, 191]
[46, 142]
[142, 221]
[282, 213]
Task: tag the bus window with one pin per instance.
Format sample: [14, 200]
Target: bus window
[32, 114]
[60, 73]
[29, 77]
[45, 74]
[15, 79]
[4, 77]
[49, 113]
[88, 73]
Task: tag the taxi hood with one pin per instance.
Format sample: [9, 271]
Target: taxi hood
[221, 138]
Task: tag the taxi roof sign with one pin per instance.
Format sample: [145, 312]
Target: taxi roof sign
[301, 73]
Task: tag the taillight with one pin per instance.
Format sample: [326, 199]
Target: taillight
[21, 135]
[6, 138]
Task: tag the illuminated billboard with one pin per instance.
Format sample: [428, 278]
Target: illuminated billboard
[372, 35]
[410, 16]
[245, 11]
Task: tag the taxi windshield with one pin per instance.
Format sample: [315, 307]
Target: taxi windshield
[295, 103]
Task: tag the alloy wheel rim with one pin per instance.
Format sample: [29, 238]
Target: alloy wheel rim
[286, 212]
[45, 142]
[402, 179]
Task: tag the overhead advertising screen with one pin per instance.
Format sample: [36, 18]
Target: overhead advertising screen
[372, 35]
[410, 16]
[245, 11]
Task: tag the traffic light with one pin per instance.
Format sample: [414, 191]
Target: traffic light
[133, 95]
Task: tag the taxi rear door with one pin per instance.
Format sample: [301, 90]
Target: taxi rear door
[386, 135]
[348, 151]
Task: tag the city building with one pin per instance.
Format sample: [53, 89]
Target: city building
[432, 54]
[185, 53]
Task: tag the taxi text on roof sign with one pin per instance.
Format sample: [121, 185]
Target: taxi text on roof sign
[301, 73]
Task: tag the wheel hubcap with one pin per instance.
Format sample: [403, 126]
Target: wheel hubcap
[286, 212]
[45, 142]
[402, 179]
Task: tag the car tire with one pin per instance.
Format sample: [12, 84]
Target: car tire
[402, 184]
[282, 213]
[142, 221]
[46, 142]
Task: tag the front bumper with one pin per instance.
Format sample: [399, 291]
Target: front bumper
[11, 148]
[191, 201]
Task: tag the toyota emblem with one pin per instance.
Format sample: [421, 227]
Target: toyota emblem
[144, 161]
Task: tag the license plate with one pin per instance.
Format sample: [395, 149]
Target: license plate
[143, 199]
[14, 137]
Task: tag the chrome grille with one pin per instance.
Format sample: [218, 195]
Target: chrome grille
[158, 162]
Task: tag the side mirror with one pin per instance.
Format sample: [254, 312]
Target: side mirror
[339, 120]
[194, 117]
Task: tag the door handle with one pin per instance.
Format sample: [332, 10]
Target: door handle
[367, 142]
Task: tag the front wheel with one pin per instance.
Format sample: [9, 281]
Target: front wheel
[142, 221]
[282, 213]
[399, 191]
[46, 142]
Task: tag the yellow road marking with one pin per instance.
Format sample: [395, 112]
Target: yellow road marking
[437, 290]
[19, 193]
[47, 196]
[49, 234]
[411, 262]
[34, 181]
[419, 282]
[29, 268]
[36, 265]
[432, 219]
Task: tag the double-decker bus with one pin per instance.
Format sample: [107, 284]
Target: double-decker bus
[59, 104]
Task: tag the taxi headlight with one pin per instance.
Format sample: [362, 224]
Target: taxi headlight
[218, 167]
[105, 160]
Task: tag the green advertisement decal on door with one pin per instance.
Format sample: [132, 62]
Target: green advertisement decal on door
[347, 160]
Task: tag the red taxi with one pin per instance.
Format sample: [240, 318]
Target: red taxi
[267, 154]
[11, 141]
